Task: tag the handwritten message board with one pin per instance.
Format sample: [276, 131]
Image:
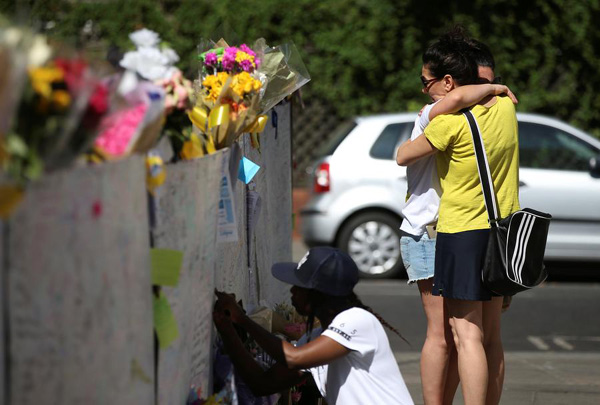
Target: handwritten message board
[80, 306]
[271, 237]
[231, 271]
[186, 221]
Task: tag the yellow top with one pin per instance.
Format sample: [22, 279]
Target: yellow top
[462, 207]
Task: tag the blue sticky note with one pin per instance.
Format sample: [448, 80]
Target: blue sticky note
[247, 170]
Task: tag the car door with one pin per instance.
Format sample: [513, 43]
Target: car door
[555, 178]
[382, 165]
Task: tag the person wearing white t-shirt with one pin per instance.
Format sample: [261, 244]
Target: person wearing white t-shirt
[350, 360]
[439, 374]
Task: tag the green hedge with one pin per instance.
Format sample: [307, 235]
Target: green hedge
[364, 56]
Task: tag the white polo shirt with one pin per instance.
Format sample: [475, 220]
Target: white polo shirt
[368, 374]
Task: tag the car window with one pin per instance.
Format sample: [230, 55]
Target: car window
[340, 133]
[546, 147]
[385, 145]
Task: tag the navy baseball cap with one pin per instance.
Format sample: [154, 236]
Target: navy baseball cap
[324, 269]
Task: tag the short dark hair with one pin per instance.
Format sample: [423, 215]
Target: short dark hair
[481, 54]
[451, 55]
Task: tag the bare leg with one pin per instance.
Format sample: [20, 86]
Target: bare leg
[467, 329]
[452, 378]
[494, 351]
[436, 350]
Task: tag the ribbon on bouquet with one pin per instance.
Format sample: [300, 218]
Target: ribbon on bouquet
[206, 121]
[255, 128]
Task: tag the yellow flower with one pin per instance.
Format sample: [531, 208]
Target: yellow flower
[243, 84]
[240, 56]
[214, 84]
[192, 149]
[42, 78]
[61, 99]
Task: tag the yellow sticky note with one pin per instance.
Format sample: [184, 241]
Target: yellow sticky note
[165, 324]
[166, 264]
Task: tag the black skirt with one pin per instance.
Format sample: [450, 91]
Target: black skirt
[459, 259]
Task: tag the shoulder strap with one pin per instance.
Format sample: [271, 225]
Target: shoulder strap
[483, 168]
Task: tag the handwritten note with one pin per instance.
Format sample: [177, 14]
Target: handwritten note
[165, 324]
[166, 265]
[227, 224]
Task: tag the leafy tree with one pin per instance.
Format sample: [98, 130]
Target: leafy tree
[365, 56]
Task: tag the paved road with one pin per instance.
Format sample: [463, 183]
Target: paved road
[556, 317]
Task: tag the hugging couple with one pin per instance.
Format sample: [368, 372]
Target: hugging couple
[445, 228]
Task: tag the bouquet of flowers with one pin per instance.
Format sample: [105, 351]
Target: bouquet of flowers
[149, 90]
[53, 108]
[237, 86]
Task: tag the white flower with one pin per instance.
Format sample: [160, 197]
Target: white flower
[171, 55]
[40, 51]
[149, 63]
[144, 38]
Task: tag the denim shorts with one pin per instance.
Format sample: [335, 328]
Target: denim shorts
[418, 255]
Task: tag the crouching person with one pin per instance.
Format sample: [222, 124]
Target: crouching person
[349, 357]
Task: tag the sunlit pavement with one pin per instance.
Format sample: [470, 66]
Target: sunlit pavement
[551, 337]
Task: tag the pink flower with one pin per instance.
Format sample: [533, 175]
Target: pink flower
[247, 65]
[119, 128]
[210, 59]
[246, 48]
[228, 61]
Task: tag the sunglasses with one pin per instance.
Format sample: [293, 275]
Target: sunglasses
[427, 82]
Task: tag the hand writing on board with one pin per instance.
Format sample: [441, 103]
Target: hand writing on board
[221, 319]
[226, 303]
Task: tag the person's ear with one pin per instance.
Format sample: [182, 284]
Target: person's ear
[448, 83]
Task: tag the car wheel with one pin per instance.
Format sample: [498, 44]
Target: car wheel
[373, 241]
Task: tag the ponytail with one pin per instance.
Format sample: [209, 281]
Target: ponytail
[356, 302]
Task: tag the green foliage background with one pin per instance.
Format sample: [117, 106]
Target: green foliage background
[365, 56]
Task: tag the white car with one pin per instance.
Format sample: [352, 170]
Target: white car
[359, 191]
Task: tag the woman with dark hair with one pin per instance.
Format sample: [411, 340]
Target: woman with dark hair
[473, 312]
[349, 356]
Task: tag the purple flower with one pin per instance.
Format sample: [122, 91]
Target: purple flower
[247, 66]
[210, 59]
[228, 61]
[246, 48]
[257, 62]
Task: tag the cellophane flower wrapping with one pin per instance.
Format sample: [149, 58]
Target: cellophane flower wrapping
[283, 71]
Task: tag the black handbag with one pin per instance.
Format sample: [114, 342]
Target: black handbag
[514, 260]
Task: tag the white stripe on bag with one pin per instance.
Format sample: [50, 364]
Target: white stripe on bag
[517, 252]
[525, 247]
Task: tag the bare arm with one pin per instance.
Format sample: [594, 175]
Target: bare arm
[261, 382]
[465, 96]
[411, 151]
[318, 352]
